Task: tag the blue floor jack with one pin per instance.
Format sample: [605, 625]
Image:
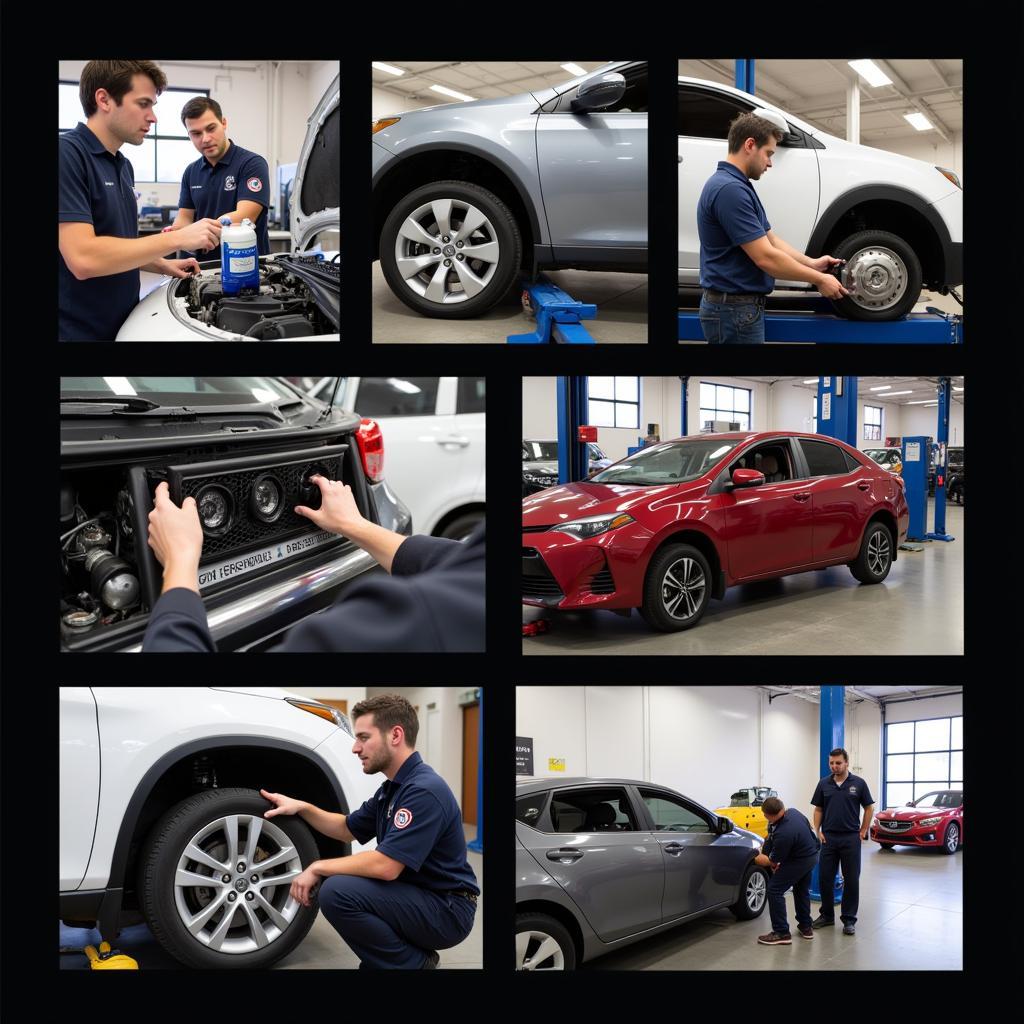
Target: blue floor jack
[559, 315]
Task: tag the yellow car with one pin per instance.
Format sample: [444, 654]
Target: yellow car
[745, 809]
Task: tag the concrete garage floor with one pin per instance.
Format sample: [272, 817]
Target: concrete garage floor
[917, 610]
[910, 918]
[322, 947]
[621, 314]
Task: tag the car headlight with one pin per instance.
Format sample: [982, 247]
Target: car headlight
[267, 498]
[591, 526]
[215, 506]
[928, 822]
[381, 123]
[324, 711]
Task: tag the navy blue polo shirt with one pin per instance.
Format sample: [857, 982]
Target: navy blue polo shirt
[841, 804]
[215, 190]
[729, 214]
[790, 838]
[94, 187]
[416, 820]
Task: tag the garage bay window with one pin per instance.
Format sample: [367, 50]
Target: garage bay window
[872, 423]
[614, 402]
[722, 404]
[922, 756]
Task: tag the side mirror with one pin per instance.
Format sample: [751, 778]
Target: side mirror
[745, 478]
[598, 93]
[724, 826]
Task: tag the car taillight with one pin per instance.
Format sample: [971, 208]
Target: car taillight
[371, 449]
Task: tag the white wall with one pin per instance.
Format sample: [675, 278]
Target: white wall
[384, 102]
[922, 420]
[931, 707]
[353, 694]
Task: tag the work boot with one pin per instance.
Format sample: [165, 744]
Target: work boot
[774, 939]
[823, 922]
[848, 929]
[806, 931]
[430, 964]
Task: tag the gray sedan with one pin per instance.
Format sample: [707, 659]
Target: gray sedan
[602, 863]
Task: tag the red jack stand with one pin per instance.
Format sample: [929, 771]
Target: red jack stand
[536, 627]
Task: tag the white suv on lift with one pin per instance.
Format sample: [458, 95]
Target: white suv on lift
[898, 222]
[161, 815]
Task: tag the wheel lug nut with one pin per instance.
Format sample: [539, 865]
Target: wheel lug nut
[232, 897]
[437, 252]
[250, 896]
[225, 878]
[459, 245]
[447, 263]
[254, 879]
[446, 239]
[241, 866]
[460, 256]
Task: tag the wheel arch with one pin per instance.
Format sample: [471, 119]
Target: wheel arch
[704, 543]
[888, 519]
[561, 915]
[462, 509]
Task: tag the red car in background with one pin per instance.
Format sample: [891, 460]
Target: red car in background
[935, 819]
[675, 524]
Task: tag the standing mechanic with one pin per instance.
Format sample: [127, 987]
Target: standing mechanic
[99, 251]
[837, 801]
[433, 599]
[415, 893]
[791, 851]
[740, 255]
[226, 180]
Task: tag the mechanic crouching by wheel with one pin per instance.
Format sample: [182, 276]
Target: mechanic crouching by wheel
[740, 255]
[791, 851]
[415, 893]
[433, 599]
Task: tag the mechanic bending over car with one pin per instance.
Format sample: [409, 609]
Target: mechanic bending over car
[415, 893]
[99, 251]
[433, 599]
[226, 180]
[791, 851]
[740, 255]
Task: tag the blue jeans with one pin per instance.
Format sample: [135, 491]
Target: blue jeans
[394, 924]
[732, 323]
[842, 849]
[797, 874]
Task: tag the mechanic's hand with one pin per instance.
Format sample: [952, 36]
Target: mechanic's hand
[200, 235]
[761, 860]
[302, 887]
[338, 512]
[825, 263]
[821, 837]
[180, 268]
[864, 834]
[176, 537]
[282, 804]
[831, 287]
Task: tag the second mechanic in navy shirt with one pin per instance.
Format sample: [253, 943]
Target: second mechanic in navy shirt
[226, 180]
[415, 893]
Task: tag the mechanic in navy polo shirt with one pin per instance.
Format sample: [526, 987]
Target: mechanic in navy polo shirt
[99, 251]
[837, 801]
[226, 180]
[740, 255]
[415, 893]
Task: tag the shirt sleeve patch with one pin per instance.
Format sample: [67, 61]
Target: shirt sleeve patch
[254, 184]
[403, 817]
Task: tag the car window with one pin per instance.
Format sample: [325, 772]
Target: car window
[824, 459]
[707, 115]
[592, 810]
[397, 396]
[533, 450]
[774, 459]
[529, 808]
[852, 464]
[672, 815]
[175, 390]
[669, 463]
[472, 394]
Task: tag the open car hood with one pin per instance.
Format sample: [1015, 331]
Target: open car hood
[316, 190]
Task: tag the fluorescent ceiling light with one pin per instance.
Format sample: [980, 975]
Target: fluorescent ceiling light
[923, 401]
[891, 393]
[919, 121]
[451, 92]
[870, 72]
[955, 388]
[574, 69]
[389, 68]
[882, 387]
[813, 380]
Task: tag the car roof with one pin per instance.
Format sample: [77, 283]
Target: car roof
[760, 435]
[534, 783]
[756, 100]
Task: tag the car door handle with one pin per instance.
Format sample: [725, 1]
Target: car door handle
[565, 856]
[674, 848]
[863, 486]
[802, 496]
[453, 441]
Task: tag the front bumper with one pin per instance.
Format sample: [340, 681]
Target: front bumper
[931, 835]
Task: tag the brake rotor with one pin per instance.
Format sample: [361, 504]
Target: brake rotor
[876, 278]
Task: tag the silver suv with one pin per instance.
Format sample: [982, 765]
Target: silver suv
[465, 195]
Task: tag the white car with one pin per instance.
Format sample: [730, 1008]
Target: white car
[898, 222]
[300, 291]
[160, 813]
[434, 430]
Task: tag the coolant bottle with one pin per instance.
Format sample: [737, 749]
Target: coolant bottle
[239, 261]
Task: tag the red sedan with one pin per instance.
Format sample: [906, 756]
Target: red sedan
[935, 819]
[672, 526]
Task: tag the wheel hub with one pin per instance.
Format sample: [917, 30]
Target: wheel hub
[876, 278]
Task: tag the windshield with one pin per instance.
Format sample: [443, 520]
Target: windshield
[942, 798]
[173, 391]
[533, 450]
[674, 462]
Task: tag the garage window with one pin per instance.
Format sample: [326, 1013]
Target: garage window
[614, 402]
[592, 810]
[718, 402]
[814, 414]
[670, 814]
[872, 423]
[923, 756]
[397, 396]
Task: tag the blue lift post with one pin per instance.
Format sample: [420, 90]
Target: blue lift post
[477, 845]
[559, 316]
[683, 420]
[837, 408]
[945, 393]
[745, 74]
[831, 727]
[572, 414]
[915, 482]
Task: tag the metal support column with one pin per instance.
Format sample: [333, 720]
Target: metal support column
[942, 437]
[745, 74]
[915, 484]
[684, 384]
[477, 845]
[572, 414]
[837, 408]
[831, 728]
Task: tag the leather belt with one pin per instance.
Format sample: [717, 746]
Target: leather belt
[714, 296]
[465, 894]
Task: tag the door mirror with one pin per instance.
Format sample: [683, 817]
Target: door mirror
[745, 478]
[598, 93]
[724, 826]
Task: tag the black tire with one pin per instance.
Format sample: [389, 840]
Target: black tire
[165, 846]
[897, 267]
[753, 894]
[505, 231]
[886, 846]
[875, 557]
[462, 526]
[543, 925]
[951, 838]
[658, 592]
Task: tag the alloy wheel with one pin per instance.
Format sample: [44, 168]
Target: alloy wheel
[876, 277]
[538, 951]
[952, 838]
[682, 588]
[757, 890]
[878, 552]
